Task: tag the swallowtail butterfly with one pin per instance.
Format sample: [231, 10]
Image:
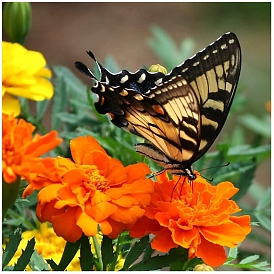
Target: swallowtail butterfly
[180, 113]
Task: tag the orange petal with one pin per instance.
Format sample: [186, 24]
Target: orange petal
[100, 211]
[163, 241]
[229, 234]
[212, 254]
[65, 225]
[105, 227]
[43, 144]
[88, 225]
[82, 145]
[243, 222]
[144, 226]
[184, 238]
[117, 228]
[137, 171]
[127, 215]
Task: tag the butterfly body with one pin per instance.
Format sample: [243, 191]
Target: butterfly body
[180, 113]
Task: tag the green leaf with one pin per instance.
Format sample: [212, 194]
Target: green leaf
[244, 153]
[260, 126]
[249, 259]
[183, 253]
[265, 221]
[164, 46]
[265, 200]
[232, 255]
[86, 257]
[24, 259]
[68, 255]
[107, 252]
[12, 245]
[37, 263]
[41, 108]
[156, 263]
[135, 252]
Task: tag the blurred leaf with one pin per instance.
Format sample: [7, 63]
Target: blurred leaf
[41, 108]
[263, 210]
[261, 126]
[166, 49]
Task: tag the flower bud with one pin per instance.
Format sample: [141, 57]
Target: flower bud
[202, 267]
[17, 20]
[158, 68]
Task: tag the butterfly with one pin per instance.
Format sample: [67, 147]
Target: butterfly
[180, 113]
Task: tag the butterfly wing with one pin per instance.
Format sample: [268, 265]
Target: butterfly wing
[168, 116]
[213, 74]
[180, 113]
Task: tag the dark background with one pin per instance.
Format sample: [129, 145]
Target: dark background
[64, 31]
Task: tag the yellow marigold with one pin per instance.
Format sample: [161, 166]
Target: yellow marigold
[194, 216]
[23, 74]
[96, 190]
[48, 245]
[20, 151]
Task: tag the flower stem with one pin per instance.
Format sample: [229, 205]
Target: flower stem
[98, 252]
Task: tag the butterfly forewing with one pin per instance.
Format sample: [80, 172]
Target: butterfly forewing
[213, 74]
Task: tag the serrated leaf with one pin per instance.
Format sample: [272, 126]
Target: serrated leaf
[24, 259]
[156, 263]
[11, 247]
[135, 252]
[68, 254]
[37, 263]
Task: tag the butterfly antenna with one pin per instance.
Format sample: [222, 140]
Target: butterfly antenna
[215, 167]
[211, 180]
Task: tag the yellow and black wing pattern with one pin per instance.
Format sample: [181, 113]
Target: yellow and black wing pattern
[180, 113]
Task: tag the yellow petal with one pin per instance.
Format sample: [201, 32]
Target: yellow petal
[10, 105]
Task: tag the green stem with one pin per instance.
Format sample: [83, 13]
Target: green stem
[98, 252]
[9, 194]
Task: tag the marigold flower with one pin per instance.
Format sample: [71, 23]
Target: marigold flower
[21, 151]
[194, 216]
[96, 190]
[23, 74]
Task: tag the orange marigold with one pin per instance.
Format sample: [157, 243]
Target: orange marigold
[95, 190]
[194, 216]
[21, 151]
